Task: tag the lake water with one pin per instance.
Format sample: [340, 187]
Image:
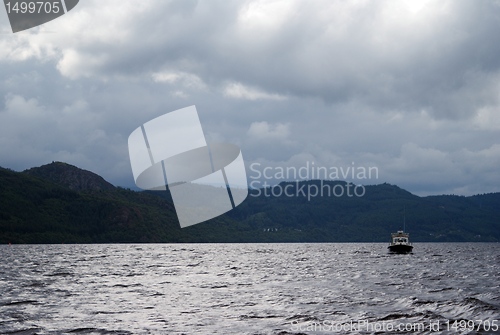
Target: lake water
[249, 289]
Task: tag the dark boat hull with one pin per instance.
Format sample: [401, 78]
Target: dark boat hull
[400, 248]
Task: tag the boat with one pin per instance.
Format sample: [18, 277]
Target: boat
[400, 243]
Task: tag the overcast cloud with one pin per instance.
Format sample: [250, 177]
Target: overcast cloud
[411, 87]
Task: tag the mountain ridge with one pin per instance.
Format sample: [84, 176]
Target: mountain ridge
[71, 176]
[58, 203]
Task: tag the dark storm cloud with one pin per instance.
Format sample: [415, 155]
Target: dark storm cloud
[436, 59]
[411, 87]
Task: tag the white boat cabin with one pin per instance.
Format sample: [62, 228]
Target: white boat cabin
[400, 238]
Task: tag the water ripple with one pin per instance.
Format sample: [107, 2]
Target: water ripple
[242, 288]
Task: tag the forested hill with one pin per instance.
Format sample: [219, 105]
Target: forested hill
[60, 203]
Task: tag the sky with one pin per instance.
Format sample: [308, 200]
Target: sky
[411, 88]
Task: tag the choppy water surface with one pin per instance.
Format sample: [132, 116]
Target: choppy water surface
[247, 289]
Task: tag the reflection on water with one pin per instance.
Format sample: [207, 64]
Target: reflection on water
[244, 288]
